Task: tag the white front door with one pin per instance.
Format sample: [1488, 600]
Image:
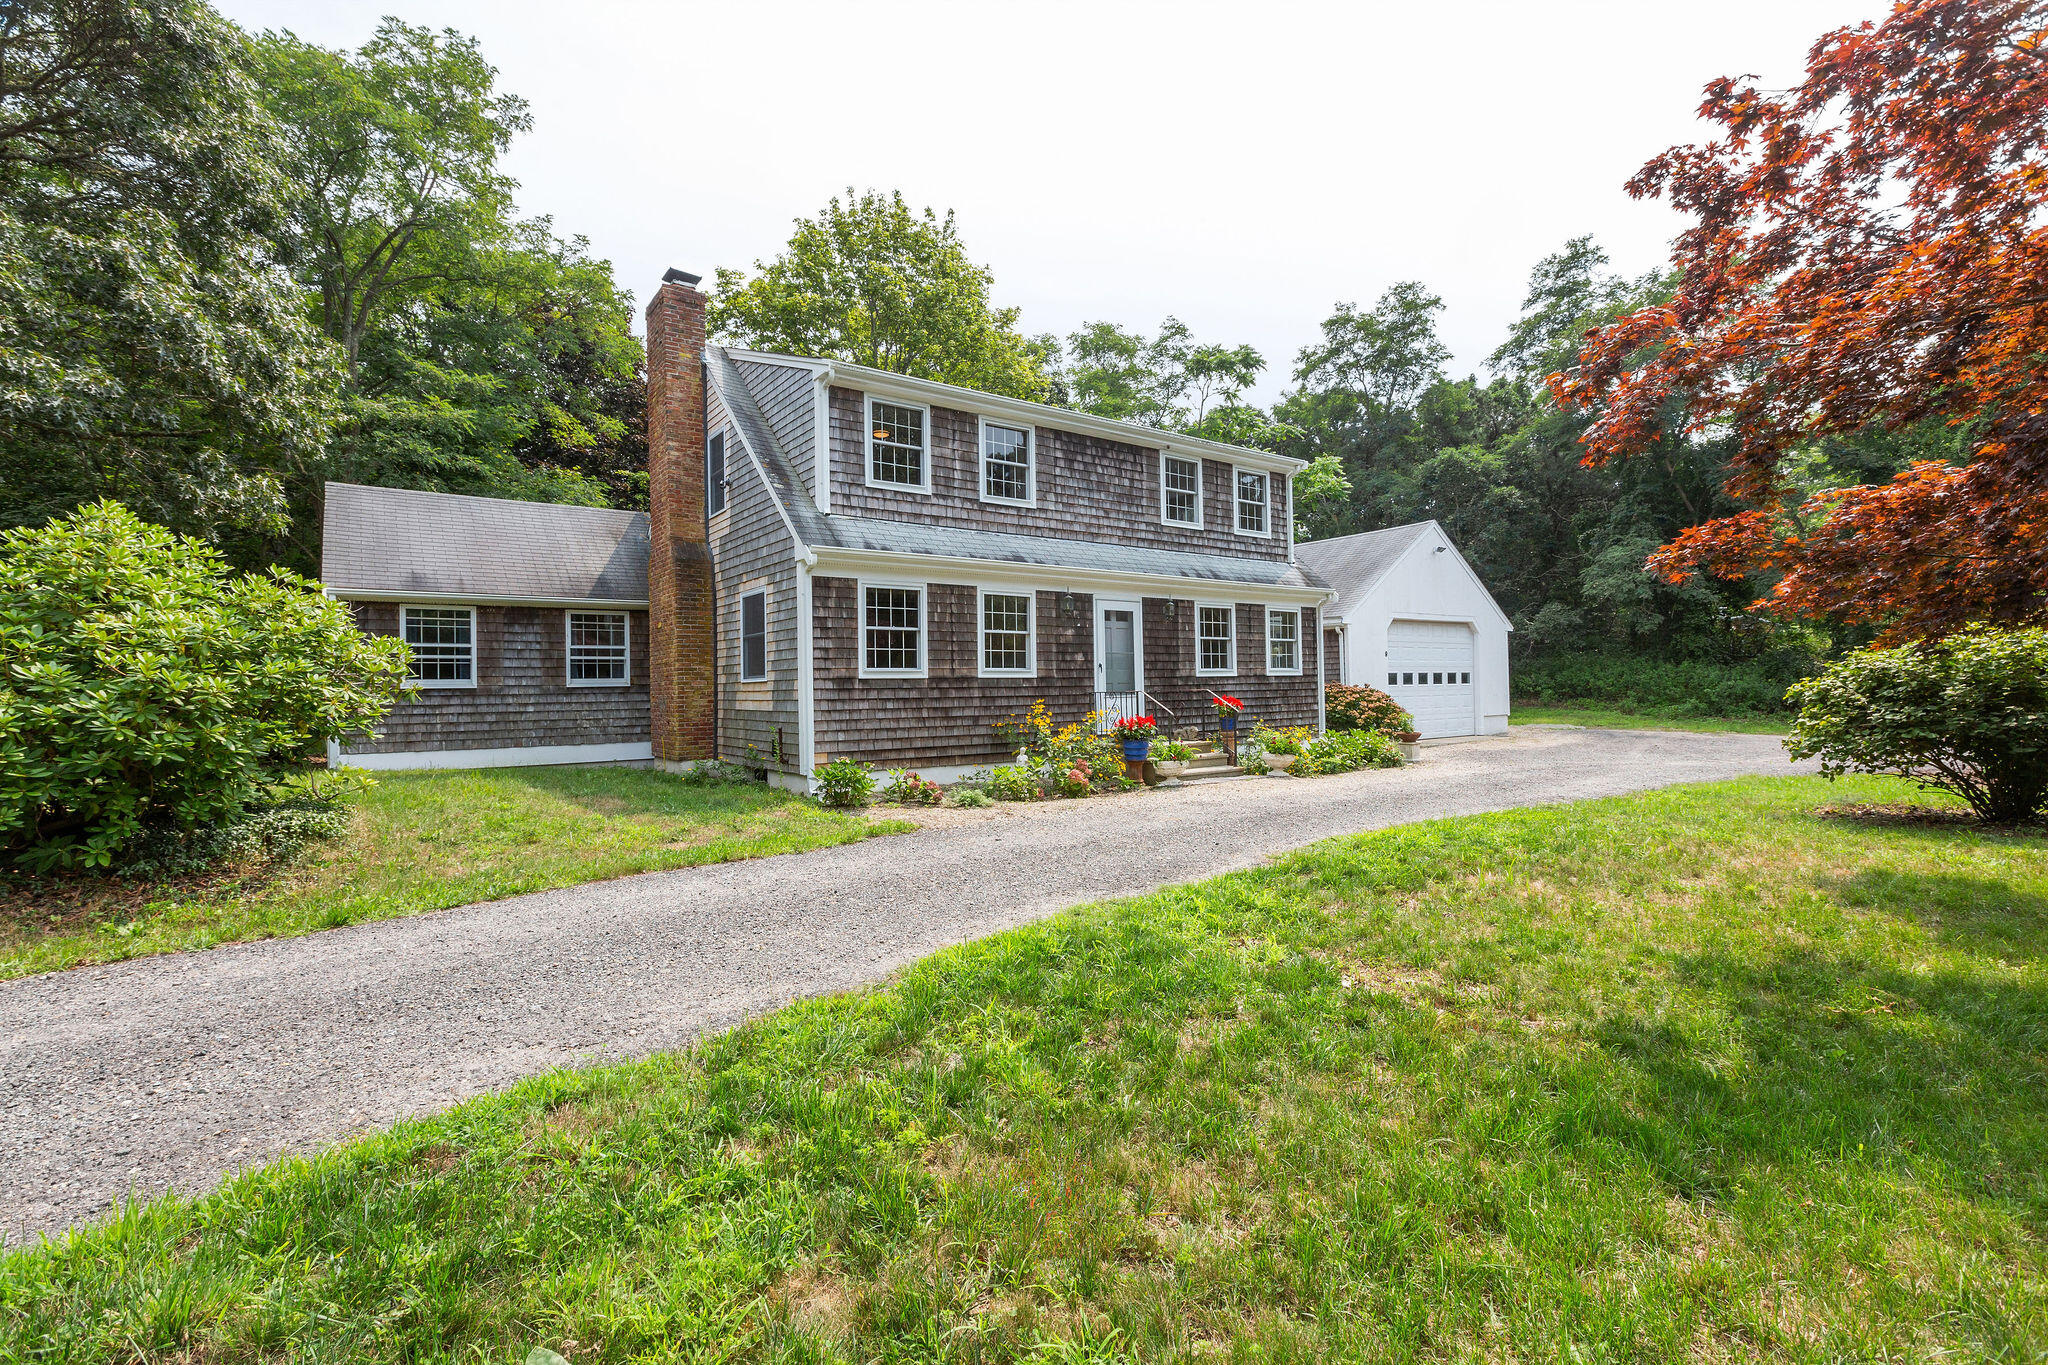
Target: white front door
[1119, 658]
[1429, 673]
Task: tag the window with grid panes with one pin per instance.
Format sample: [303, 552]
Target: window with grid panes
[597, 648]
[1006, 632]
[896, 448]
[1213, 629]
[892, 629]
[443, 645]
[1183, 491]
[1005, 463]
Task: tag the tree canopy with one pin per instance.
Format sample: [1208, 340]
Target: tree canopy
[1867, 254]
[874, 282]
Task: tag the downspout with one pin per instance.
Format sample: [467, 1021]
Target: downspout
[806, 687]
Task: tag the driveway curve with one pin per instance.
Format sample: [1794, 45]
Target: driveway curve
[169, 1072]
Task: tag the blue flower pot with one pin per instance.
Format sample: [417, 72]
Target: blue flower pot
[1136, 749]
[1227, 722]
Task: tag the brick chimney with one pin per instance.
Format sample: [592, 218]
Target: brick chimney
[679, 583]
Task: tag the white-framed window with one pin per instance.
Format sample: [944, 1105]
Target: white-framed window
[714, 474]
[1008, 646]
[600, 648]
[1007, 474]
[1252, 493]
[1180, 490]
[443, 645]
[892, 630]
[1215, 639]
[754, 636]
[899, 445]
[1283, 640]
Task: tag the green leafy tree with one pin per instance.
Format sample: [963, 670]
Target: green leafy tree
[144, 685]
[148, 348]
[872, 281]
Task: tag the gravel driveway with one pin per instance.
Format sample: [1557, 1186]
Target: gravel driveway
[168, 1072]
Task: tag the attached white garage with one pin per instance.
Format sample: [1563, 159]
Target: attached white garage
[1413, 620]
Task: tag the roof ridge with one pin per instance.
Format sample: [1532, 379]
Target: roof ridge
[483, 497]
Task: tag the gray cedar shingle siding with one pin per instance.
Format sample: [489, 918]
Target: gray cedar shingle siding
[947, 718]
[751, 550]
[785, 395]
[1333, 657]
[1170, 669]
[1088, 489]
[522, 698]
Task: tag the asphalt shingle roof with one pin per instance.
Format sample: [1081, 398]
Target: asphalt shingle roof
[1352, 564]
[400, 540]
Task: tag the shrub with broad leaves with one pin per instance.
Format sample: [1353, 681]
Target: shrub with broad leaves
[908, 789]
[843, 783]
[1363, 708]
[146, 686]
[1967, 714]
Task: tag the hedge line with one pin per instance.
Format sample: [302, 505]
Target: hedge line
[1675, 688]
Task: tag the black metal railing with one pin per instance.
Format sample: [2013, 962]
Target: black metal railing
[1110, 707]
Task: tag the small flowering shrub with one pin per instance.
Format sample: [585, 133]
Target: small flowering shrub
[843, 783]
[1012, 783]
[1364, 708]
[1078, 780]
[908, 789]
[973, 798]
[1343, 751]
[1173, 751]
[1057, 752]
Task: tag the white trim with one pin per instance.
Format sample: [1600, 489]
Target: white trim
[860, 628]
[1266, 482]
[982, 423]
[1287, 486]
[821, 441]
[1323, 676]
[869, 381]
[568, 650]
[761, 593]
[1231, 608]
[806, 681]
[1164, 519]
[842, 563]
[867, 444]
[441, 684]
[1030, 596]
[533, 756]
[1136, 607]
[474, 599]
[1295, 612]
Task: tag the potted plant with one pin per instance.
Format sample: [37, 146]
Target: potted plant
[1137, 734]
[1172, 759]
[1408, 739]
[1278, 748]
[1228, 709]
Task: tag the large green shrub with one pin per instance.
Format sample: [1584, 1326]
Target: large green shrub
[1671, 687]
[144, 685]
[1968, 715]
[1363, 708]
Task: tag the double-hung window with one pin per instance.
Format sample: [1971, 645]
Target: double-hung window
[1251, 502]
[754, 637]
[1005, 463]
[1215, 640]
[714, 474]
[1006, 649]
[443, 645]
[1180, 490]
[1283, 641]
[599, 645]
[898, 445]
[891, 631]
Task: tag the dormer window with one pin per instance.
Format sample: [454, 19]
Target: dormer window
[1005, 463]
[897, 445]
[1252, 494]
[1180, 491]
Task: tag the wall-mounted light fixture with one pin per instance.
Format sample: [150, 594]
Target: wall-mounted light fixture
[1068, 606]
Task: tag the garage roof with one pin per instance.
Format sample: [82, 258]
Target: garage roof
[1352, 564]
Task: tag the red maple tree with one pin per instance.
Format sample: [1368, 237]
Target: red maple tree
[1870, 248]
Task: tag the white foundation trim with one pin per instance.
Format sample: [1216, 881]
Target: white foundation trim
[533, 756]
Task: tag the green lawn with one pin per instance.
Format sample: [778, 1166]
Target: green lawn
[426, 841]
[1607, 718]
[1691, 1075]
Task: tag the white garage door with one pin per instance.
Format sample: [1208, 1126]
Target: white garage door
[1429, 671]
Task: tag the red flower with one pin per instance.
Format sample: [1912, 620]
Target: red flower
[1228, 706]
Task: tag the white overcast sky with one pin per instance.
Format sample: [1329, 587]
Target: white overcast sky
[1240, 166]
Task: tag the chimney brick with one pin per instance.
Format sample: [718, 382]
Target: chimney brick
[681, 610]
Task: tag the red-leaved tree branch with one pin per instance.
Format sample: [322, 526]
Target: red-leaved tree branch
[1868, 248]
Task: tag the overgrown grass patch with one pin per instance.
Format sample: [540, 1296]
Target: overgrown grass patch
[1690, 1075]
[1608, 718]
[426, 841]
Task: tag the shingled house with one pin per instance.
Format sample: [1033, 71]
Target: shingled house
[838, 562]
